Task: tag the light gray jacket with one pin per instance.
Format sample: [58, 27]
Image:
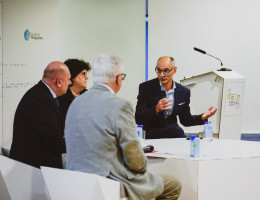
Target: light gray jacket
[100, 134]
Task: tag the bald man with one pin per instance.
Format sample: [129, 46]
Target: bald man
[38, 137]
[161, 100]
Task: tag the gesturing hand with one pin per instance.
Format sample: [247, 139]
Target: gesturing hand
[163, 104]
[209, 113]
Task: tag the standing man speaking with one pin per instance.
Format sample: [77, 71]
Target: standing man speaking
[161, 100]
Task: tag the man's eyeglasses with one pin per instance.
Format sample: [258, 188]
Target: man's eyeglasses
[123, 76]
[165, 71]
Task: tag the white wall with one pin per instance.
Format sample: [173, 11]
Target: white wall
[116, 26]
[1, 75]
[24, 61]
[85, 28]
[229, 30]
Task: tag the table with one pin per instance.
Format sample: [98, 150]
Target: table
[226, 169]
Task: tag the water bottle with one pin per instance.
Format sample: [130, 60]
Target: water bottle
[208, 133]
[139, 130]
[141, 135]
[194, 146]
[207, 139]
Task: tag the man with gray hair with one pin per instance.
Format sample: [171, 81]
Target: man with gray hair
[101, 137]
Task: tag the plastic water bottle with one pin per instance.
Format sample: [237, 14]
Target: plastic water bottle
[208, 133]
[194, 146]
[139, 130]
[141, 135]
[207, 139]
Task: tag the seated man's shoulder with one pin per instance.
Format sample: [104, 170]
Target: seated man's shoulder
[150, 83]
[34, 93]
[120, 100]
[121, 103]
[182, 87]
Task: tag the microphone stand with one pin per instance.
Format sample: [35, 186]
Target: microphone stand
[204, 52]
[222, 68]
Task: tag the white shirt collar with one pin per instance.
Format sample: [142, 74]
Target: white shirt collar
[171, 90]
[52, 92]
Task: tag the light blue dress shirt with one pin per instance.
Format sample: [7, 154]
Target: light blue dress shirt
[169, 96]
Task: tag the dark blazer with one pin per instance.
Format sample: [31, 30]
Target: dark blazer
[38, 129]
[148, 97]
[65, 101]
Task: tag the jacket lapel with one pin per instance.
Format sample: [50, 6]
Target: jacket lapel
[53, 104]
[177, 98]
[157, 95]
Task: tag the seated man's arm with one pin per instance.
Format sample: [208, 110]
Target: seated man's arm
[186, 118]
[145, 108]
[132, 151]
[47, 127]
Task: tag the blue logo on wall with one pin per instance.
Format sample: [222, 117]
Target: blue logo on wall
[30, 35]
[27, 35]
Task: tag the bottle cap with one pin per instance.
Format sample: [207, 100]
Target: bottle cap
[193, 137]
[140, 125]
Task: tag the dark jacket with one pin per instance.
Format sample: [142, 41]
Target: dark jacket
[148, 97]
[65, 101]
[38, 129]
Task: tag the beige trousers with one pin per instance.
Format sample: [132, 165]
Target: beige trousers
[172, 188]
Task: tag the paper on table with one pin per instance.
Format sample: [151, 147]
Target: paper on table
[166, 155]
[165, 148]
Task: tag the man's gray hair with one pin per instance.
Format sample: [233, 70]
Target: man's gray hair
[106, 67]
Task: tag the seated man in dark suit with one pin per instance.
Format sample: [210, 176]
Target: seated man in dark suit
[38, 136]
[161, 100]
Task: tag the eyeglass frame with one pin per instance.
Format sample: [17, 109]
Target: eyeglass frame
[165, 71]
[122, 75]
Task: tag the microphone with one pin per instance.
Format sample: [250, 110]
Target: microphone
[148, 149]
[204, 52]
[163, 94]
[199, 50]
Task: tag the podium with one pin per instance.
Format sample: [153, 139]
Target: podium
[223, 90]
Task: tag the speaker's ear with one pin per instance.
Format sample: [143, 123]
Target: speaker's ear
[58, 82]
